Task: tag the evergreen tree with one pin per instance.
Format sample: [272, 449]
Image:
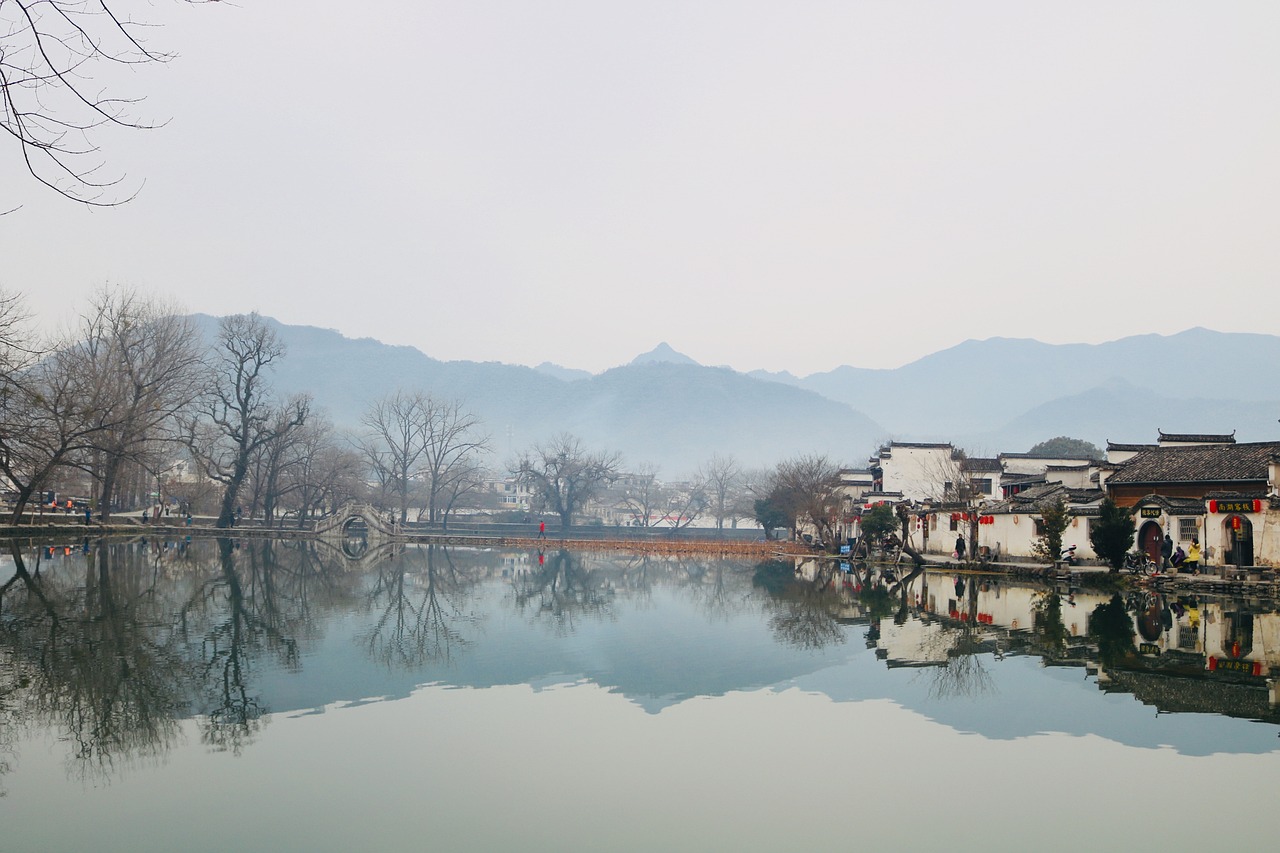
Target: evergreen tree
[1066, 446]
[1111, 534]
[1054, 518]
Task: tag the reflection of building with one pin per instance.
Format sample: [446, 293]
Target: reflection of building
[1215, 654]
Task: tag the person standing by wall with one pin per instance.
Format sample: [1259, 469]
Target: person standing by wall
[1193, 556]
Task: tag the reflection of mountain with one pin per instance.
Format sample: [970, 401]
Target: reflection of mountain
[266, 628]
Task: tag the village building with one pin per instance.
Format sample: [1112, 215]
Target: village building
[919, 471]
[1212, 487]
[1012, 527]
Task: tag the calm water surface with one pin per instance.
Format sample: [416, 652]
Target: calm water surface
[275, 696]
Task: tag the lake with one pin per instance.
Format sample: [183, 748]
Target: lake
[259, 695]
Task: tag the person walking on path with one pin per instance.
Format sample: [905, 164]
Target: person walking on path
[960, 548]
[542, 530]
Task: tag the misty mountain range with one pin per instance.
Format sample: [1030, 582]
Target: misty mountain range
[664, 408]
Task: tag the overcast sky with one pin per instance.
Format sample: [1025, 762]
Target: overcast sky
[765, 185]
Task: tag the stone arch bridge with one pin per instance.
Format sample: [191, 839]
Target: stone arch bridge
[336, 525]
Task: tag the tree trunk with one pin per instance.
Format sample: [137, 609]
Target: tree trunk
[227, 515]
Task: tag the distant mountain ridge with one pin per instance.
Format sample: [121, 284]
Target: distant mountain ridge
[1000, 394]
[1008, 393]
[669, 413]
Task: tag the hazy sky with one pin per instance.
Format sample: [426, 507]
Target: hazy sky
[764, 185]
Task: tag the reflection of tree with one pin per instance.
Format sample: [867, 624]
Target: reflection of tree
[1112, 629]
[963, 674]
[1048, 629]
[804, 611]
[563, 589]
[253, 608]
[420, 610]
[710, 582]
[90, 662]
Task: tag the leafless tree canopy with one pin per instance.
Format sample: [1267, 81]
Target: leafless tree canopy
[564, 474]
[53, 54]
[720, 477]
[810, 487]
[237, 414]
[145, 357]
[412, 439]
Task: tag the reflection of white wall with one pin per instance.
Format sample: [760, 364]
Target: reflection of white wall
[1008, 606]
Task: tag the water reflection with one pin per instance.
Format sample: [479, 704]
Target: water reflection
[111, 645]
[420, 606]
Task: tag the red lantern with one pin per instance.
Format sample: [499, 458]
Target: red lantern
[1235, 522]
[1213, 506]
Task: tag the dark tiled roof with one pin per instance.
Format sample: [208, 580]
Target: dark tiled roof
[1204, 438]
[982, 463]
[1174, 506]
[1134, 448]
[887, 449]
[1081, 501]
[1204, 463]
[1077, 467]
[1083, 457]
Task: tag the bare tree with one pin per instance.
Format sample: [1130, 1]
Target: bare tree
[464, 477]
[957, 486]
[685, 504]
[50, 100]
[237, 415]
[323, 473]
[396, 441]
[145, 357]
[451, 442]
[272, 465]
[720, 476]
[809, 487]
[51, 411]
[17, 339]
[564, 474]
[644, 496]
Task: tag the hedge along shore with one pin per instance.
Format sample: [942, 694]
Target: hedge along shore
[672, 546]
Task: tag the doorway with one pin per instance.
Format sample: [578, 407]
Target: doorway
[1237, 541]
[1149, 540]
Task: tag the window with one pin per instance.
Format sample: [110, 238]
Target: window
[1187, 528]
[982, 486]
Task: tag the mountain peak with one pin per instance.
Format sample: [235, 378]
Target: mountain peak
[663, 353]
